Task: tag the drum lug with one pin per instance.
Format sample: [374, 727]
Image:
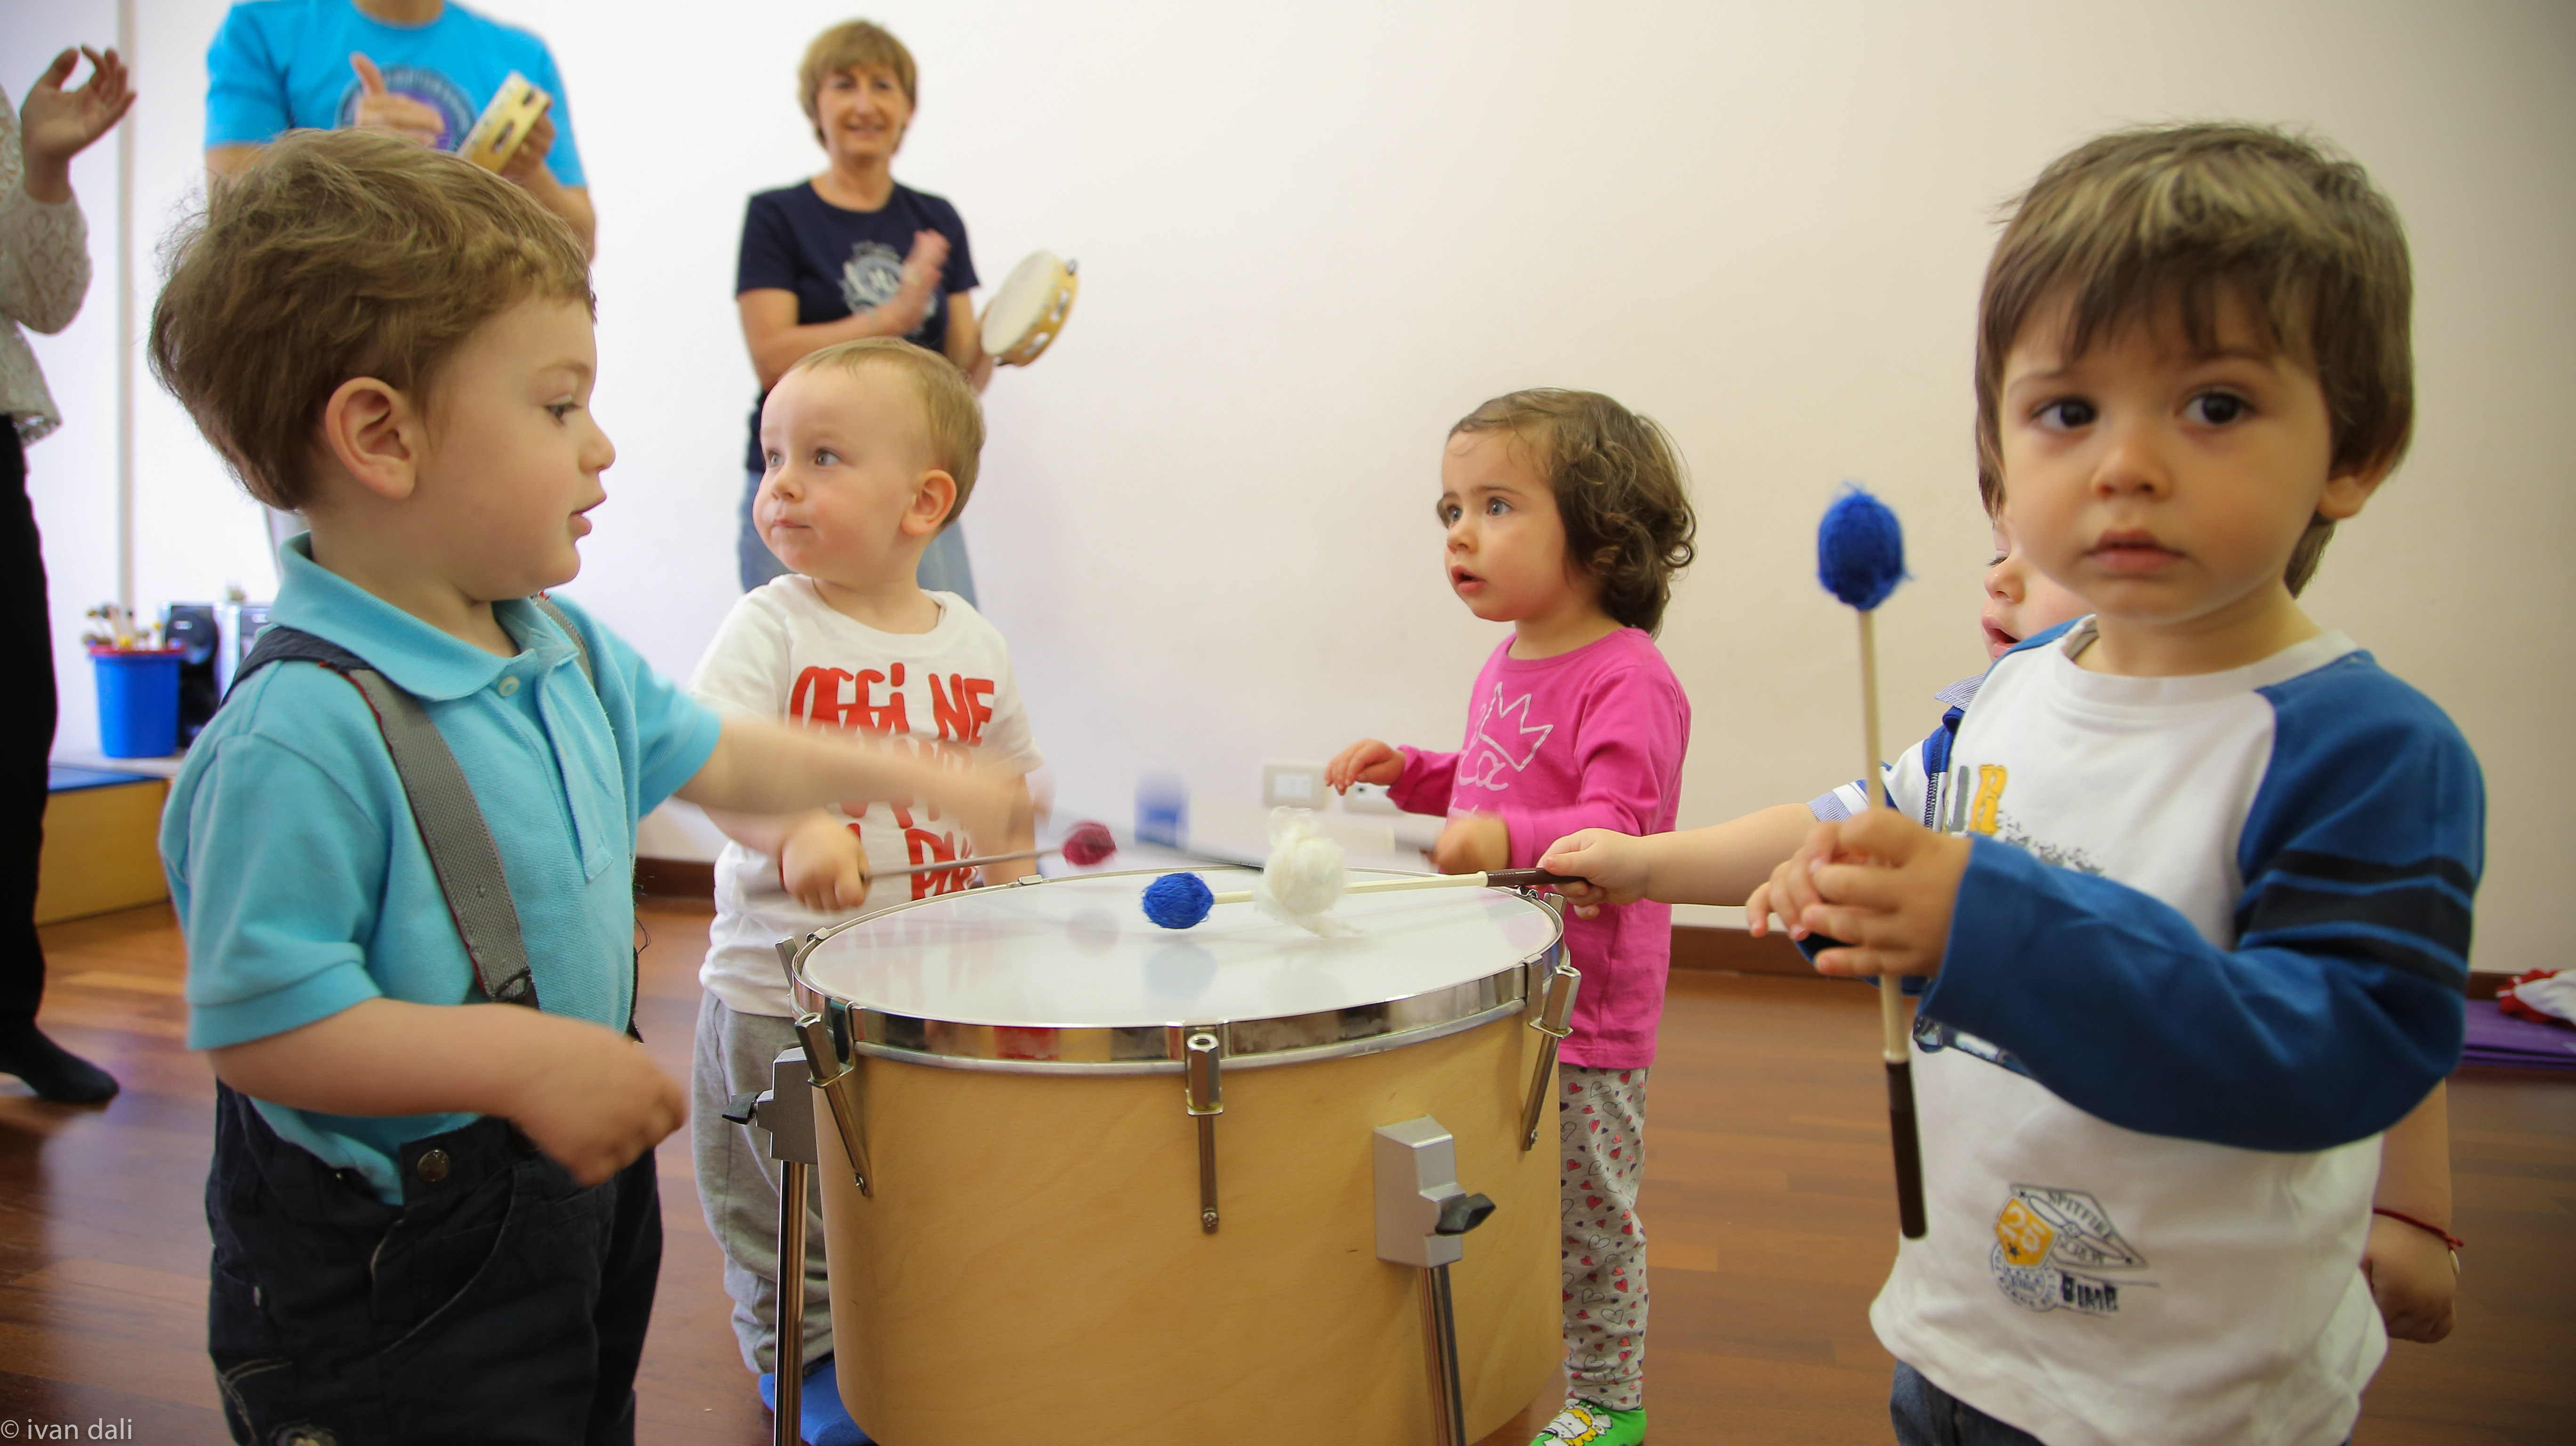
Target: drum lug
[838, 1079]
[1205, 1094]
[1554, 1022]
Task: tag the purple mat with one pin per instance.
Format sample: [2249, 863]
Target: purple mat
[2496, 1037]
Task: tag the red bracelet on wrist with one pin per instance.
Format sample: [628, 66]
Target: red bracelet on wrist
[2402, 1217]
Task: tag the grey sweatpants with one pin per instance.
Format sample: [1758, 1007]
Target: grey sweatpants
[738, 1183]
[1601, 1125]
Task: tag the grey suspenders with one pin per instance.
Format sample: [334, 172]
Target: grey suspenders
[459, 842]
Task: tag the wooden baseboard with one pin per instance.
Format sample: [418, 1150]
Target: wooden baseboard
[675, 879]
[1736, 952]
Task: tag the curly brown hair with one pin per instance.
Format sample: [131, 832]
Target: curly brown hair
[2180, 216]
[340, 254]
[1619, 488]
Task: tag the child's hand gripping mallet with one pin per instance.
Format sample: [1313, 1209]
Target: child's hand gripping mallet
[1860, 558]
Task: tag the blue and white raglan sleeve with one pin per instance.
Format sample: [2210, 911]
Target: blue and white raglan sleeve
[1904, 784]
[2341, 1004]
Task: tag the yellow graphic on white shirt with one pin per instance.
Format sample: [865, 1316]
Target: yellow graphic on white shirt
[1990, 797]
[2025, 1235]
[2048, 1240]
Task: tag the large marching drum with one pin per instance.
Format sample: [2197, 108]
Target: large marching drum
[1118, 1184]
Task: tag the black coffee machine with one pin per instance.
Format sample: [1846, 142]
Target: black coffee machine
[192, 626]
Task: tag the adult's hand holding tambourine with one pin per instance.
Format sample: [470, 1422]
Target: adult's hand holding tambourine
[1027, 314]
[513, 133]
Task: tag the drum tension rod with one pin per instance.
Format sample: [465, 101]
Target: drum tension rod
[1206, 1096]
[1554, 1023]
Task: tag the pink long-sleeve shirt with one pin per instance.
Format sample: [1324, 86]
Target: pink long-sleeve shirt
[1587, 739]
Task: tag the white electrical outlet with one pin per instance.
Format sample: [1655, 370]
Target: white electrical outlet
[1293, 785]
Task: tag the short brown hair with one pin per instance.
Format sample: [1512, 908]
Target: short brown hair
[852, 45]
[340, 254]
[2183, 215]
[1619, 488]
[952, 421]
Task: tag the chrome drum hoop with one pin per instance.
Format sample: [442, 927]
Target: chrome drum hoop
[1162, 1048]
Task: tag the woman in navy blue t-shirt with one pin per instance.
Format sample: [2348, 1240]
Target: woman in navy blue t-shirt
[850, 253]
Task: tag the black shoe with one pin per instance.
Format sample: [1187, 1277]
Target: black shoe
[52, 1071]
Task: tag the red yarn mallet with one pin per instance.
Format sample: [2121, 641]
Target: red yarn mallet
[1085, 844]
[1088, 843]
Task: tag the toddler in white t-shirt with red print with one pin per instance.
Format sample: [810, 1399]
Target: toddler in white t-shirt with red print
[871, 449]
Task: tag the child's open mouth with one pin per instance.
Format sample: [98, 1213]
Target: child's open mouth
[1461, 580]
[1999, 642]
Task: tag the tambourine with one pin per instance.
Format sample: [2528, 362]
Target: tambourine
[504, 125]
[1026, 314]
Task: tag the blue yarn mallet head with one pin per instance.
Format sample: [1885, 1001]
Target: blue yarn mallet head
[1178, 901]
[1860, 549]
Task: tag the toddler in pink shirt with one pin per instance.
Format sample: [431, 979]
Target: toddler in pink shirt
[1567, 517]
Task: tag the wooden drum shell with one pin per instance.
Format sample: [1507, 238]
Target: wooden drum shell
[1031, 1268]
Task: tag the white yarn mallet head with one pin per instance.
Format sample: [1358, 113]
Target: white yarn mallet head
[1303, 879]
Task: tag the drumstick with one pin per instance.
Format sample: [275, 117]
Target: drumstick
[1084, 844]
[1180, 901]
[1860, 558]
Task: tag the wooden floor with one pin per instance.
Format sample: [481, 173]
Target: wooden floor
[1766, 1195]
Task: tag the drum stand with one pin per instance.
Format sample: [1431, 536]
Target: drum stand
[785, 1113]
[1421, 1212]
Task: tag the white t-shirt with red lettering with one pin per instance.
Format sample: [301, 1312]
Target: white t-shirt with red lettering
[783, 653]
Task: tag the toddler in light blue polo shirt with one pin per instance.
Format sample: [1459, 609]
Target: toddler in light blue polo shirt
[417, 1186]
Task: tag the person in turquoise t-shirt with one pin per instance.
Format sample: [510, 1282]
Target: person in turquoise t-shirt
[420, 68]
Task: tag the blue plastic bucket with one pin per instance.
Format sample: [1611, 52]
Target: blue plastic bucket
[138, 702]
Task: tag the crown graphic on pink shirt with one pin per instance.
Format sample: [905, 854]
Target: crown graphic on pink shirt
[1516, 744]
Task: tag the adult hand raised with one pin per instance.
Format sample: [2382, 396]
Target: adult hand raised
[902, 313]
[55, 124]
[380, 109]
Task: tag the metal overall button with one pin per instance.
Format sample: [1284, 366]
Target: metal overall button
[432, 1166]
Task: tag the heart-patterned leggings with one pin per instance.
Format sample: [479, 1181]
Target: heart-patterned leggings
[1601, 1125]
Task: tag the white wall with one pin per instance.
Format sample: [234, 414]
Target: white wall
[72, 473]
[1311, 236]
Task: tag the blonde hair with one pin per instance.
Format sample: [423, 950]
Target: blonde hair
[853, 45]
[1619, 489]
[2182, 216]
[952, 420]
[340, 254]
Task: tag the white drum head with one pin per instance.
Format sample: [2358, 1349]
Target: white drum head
[1025, 314]
[1079, 954]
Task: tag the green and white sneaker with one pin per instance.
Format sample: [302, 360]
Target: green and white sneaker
[1589, 1423]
